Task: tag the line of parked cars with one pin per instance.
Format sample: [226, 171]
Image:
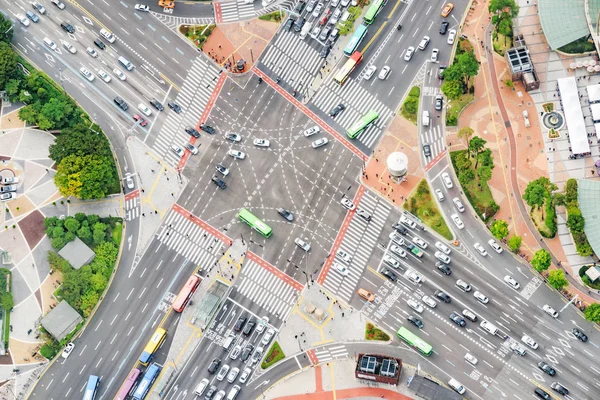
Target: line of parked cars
[8, 188]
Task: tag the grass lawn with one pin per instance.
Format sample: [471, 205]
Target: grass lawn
[455, 108]
[117, 233]
[481, 198]
[275, 354]
[275, 16]
[422, 204]
[198, 34]
[502, 43]
[411, 105]
[540, 223]
[374, 333]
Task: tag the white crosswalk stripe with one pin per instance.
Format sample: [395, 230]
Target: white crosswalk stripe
[193, 97]
[334, 352]
[358, 102]
[132, 210]
[189, 240]
[435, 137]
[265, 289]
[173, 22]
[286, 5]
[359, 241]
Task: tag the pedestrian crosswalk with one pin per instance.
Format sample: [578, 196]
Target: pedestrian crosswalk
[265, 289]
[237, 10]
[191, 241]
[358, 102]
[173, 23]
[434, 136]
[293, 60]
[331, 352]
[193, 98]
[359, 241]
[132, 208]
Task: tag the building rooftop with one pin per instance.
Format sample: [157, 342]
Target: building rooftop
[588, 193]
[61, 320]
[563, 21]
[77, 253]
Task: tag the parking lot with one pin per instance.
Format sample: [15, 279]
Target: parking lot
[288, 174]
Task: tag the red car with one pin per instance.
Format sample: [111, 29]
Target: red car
[139, 119]
[325, 16]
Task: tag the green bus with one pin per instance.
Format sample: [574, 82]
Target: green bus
[359, 126]
[372, 12]
[255, 223]
[355, 40]
[415, 342]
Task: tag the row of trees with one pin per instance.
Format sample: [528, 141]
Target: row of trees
[457, 77]
[503, 13]
[539, 195]
[575, 220]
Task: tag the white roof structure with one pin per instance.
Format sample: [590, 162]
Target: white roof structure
[595, 108]
[573, 115]
[597, 129]
[593, 92]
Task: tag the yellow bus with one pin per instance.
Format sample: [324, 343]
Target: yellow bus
[154, 343]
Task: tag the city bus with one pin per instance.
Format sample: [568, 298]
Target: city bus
[155, 342]
[146, 383]
[359, 126]
[186, 293]
[91, 388]
[415, 342]
[128, 384]
[374, 9]
[347, 68]
[357, 37]
[255, 223]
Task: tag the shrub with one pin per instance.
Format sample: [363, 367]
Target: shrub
[49, 351]
[275, 354]
[514, 243]
[374, 333]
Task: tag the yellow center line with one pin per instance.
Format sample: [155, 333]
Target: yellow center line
[394, 9]
[364, 50]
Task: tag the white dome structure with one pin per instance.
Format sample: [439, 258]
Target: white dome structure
[397, 164]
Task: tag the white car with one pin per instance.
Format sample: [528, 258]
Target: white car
[451, 36]
[414, 277]
[385, 71]
[391, 261]
[341, 268]
[70, 48]
[129, 180]
[517, 348]
[119, 74]
[48, 42]
[319, 143]
[262, 142]
[424, 43]
[442, 247]
[145, 109]
[442, 257]
[10, 180]
[177, 150]
[222, 372]
[312, 131]
[440, 194]
[457, 221]
[428, 301]
[529, 342]
[268, 336]
[409, 53]
[550, 311]
[262, 323]
[471, 359]
[419, 242]
[512, 282]
[415, 305]
[458, 204]
[233, 374]
[104, 76]
[342, 255]
[7, 196]
[347, 203]
[141, 7]
[369, 72]
[236, 154]
[91, 52]
[462, 285]
[245, 375]
[447, 180]
[59, 4]
[408, 222]
[481, 297]
[22, 19]
[68, 350]
[495, 246]
[234, 137]
[396, 238]
[302, 244]
[87, 74]
[480, 249]
[397, 250]
[435, 54]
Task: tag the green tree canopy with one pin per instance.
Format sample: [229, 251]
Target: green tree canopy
[452, 88]
[465, 177]
[504, 7]
[485, 174]
[79, 141]
[468, 66]
[499, 229]
[7, 29]
[475, 146]
[514, 243]
[87, 177]
[535, 193]
[557, 280]
[8, 63]
[592, 313]
[465, 133]
[541, 260]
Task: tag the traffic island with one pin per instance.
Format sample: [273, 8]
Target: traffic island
[422, 204]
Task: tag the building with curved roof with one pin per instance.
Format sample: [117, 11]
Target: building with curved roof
[588, 193]
[565, 21]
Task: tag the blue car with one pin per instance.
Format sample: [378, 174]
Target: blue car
[32, 16]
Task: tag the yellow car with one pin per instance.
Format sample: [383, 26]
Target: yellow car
[365, 294]
[447, 9]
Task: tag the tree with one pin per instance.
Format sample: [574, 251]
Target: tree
[468, 66]
[505, 28]
[508, 7]
[87, 177]
[514, 243]
[557, 280]
[79, 141]
[592, 313]
[71, 224]
[541, 260]
[8, 63]
[535, 193]
[575, 221]
[465, 133]
[465, 177]
[485, 174]
[7, 29]
[55, 113]
[475, 146]
[85, 234]
[499, 229]
[452, 88]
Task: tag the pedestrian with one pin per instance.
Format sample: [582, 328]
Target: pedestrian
[143, 215]
[167, 178]
[219, 46]
[173, 194]
[143, 191]
[47, 170]
[155, 211]
[152, 170]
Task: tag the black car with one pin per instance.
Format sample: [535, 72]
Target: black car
[390, 275]
[325, 51]
[542, 393]
[214, 365]
[289, 24]
[156, 104]
[299, 7]
[67, 27]
[557, 387]
[211, 392]
[441, 72]
[219, 182]
[121, 103]
[439, 102]
[100, 44]
[247, 352]
[427, 150]
[192, 132]
[458, 320]
[208, 129]
[175, 107]
[579, 334]
[547, 368]
[443, 267]
[240, 324]
[416, 322]
[400, 229]
[336, 110]
[442, 296]
[249, 328]
[285, 214]
[444, 27]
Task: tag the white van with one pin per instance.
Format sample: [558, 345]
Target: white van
[107, 35]
[488, 326]
[49, 43]
[344, 17]
[456, 385]
[228, 342]
[201, 387]
[425, 118]
[125, 62]
[305, 29]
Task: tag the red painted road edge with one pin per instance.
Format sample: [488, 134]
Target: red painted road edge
[132, 195]
[218, 13]
[284, 277]
[435, 160]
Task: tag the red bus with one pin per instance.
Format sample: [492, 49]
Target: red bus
[128, 385]
[186, 293]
